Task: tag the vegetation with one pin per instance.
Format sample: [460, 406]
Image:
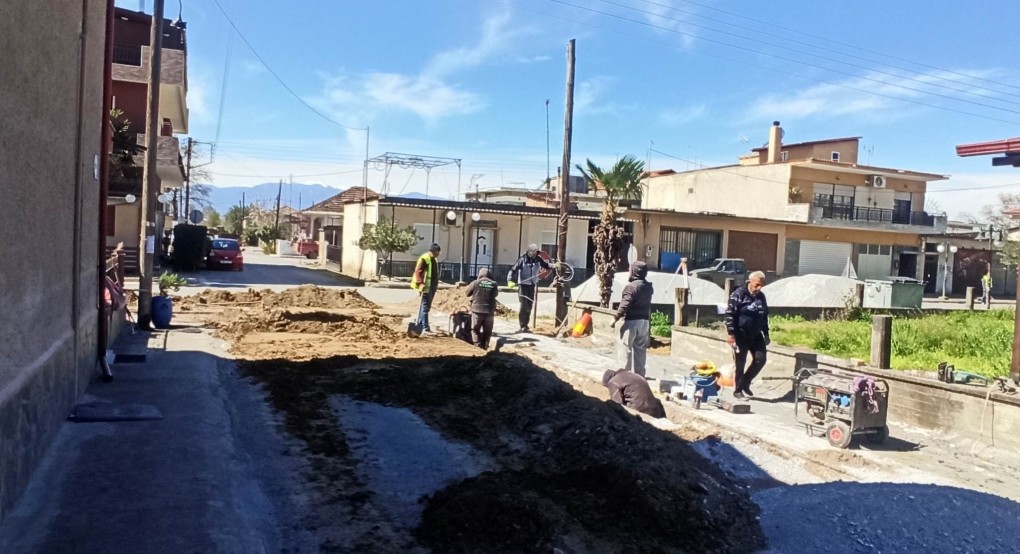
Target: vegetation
[661, 326]
[979, 342]
[212, 217]
[619, 184]
[125, 147]
[233, 221]
[386, 237]
[170, 282]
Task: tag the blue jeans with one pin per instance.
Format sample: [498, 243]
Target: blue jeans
[423, 310]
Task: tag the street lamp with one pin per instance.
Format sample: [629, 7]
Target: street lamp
[475, 218]
[947, 249]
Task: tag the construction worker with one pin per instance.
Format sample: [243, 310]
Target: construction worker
[636, 311]
[426, 281]
[747, 330]
[986, 287]
[524, 276]
[482, 292]
[631, 390]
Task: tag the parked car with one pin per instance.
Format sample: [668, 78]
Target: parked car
[307, 248]
[722, 269]
[225, 254]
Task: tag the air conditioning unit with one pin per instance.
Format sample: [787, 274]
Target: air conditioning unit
[878, 181]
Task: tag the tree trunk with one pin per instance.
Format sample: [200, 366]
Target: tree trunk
[608, 241]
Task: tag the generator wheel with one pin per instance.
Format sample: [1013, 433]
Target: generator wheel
[838, 434]
[879, 436]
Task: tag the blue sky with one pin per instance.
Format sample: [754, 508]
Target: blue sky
[701, 79]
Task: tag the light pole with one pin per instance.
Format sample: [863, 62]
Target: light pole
[947, 249]
[451, 216]
[475, 217]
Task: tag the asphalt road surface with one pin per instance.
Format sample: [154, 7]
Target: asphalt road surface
[262, 271]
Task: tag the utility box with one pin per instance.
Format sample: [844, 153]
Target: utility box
[894, 293]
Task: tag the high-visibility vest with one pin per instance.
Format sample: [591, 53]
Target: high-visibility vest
[426, 259]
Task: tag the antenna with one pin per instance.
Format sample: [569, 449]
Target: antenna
[743, 138]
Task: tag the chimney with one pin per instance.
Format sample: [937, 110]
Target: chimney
[775, 142]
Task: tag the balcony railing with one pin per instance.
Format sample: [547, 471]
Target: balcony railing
[127, 54]
[876, 215]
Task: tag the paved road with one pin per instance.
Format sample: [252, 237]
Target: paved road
[262, 271]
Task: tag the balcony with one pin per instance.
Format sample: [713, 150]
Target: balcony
[131, 64]
[876, 218]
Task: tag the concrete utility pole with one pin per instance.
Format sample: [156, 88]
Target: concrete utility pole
[150, 178]
[563, 289]
[187, 182]
[279, 191]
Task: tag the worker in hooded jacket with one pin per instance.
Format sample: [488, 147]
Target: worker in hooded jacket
[482, 292]
[636, 312]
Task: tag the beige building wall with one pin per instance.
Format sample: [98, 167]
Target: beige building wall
[126, 225]
[355, 261]
[760, 191]
[51, 119]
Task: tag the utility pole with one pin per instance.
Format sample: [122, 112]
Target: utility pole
[150, 178]
[563, 289]
[187, 183]
[279, 191]
[547, 151]
[242, 215]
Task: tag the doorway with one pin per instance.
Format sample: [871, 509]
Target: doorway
[908, 265]
[931, 273]
[482, 254]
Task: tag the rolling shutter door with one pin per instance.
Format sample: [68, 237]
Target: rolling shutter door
[757, 249]
[825, 258]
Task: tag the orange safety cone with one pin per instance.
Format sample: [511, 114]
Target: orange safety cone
[583, 325]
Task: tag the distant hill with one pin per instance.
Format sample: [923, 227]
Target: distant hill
[298, 195]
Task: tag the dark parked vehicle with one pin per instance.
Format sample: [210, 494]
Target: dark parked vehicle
[723, 268]
[225, 254]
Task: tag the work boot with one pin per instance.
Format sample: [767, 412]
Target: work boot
[747, 391]
[524, 329]
[738, 395]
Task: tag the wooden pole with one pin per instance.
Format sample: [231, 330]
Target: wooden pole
[150, 178]
[969, 301]
[563, 289]
[881, 341]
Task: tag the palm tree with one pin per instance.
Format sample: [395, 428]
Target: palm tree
[621, 183]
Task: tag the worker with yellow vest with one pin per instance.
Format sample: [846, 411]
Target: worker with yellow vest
[426, 281]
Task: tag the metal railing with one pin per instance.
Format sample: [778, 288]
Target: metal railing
[334, 253]
[127, 54]
[876, 215]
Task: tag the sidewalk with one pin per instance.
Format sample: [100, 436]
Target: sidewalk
[208, 477]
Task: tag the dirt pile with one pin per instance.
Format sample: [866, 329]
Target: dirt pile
[454, 299]
[573, 473]
[305, 296]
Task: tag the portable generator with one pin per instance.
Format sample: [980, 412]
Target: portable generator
[842, 405]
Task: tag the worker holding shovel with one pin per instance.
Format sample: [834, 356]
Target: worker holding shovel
[426, 281]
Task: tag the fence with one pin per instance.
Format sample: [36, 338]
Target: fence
[334, 253]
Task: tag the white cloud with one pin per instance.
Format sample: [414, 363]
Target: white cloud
[872, 95]
[664, 15]
[965, 194]
[588, 93]
[676, 117]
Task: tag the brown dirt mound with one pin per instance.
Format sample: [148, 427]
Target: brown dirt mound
[573, 473]
[320, 322]
[453, 299]
[305, 296]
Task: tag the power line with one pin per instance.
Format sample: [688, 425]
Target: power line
[779, 57]
[721, 169]
[280, 80]
[968, 189]
[739, 36]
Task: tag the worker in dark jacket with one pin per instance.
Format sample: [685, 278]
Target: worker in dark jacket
[524, 276]
[636, 312]
[631, 390]
[482, 292]
[747, 328]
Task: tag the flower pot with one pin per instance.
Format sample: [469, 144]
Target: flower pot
[162, 311]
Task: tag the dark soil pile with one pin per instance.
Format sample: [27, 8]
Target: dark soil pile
[576, 473]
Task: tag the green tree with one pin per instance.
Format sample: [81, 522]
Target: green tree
[233, 221]
[620, 184]
[996, 224]
[124, 147]
[212, 217]
[385, 238]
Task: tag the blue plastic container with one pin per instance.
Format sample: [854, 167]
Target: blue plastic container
[706, 384]
[162, 311]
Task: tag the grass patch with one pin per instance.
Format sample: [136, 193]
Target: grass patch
[979, 342]
[660, 325]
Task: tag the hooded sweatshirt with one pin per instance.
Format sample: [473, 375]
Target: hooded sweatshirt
[483, 292]
[631, 390]
[637, 295]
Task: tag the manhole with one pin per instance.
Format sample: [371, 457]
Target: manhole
[109, 411]
[129, 359]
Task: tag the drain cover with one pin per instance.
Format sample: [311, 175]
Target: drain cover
[110, 411]
[129, 359]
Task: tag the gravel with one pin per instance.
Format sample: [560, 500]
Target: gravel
[888, 518]
[810, 291]
[702, 292]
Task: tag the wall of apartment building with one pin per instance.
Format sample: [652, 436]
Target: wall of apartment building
[847, 152]
[804, 179]
[760, 191]
[51, 86]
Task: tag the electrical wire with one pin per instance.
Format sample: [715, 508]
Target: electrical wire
[780, 57]
[277, 76]
[967, 189]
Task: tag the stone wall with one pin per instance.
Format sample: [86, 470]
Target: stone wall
[51, 86]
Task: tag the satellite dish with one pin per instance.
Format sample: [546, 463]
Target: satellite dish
[631, 254]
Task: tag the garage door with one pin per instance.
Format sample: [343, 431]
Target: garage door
[826, 258]
[874, 261]
[757, 249]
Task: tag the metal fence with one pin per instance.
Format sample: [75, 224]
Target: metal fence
[334, 253]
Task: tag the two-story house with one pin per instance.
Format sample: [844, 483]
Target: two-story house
[791, 209]
[130, 97]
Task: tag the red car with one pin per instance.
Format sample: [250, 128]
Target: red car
[225, 254]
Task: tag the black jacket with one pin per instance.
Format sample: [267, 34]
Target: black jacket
[747, 314]
[631, 390]
[526, 270]
[483, 294]
[637, 295]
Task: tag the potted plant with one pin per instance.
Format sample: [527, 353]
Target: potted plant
[162, 305]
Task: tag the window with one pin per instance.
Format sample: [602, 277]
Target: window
[784, 156]
[425, 238]
[835, 156]
[700, 247]
[548, 243]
